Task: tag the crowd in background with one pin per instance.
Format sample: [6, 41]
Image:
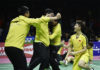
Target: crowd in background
[92, 33]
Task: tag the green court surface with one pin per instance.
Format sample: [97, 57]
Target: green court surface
[95, 65]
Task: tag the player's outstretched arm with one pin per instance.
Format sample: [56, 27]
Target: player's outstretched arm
[69, 50]
[58, 16]
[77, 52]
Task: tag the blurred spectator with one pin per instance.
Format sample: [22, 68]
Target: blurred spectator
[1, 22]
[98, 38]
[91, 23]
[65, 37]
[32, 31]
[1, 30]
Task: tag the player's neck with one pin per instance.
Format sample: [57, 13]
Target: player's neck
[78, 32]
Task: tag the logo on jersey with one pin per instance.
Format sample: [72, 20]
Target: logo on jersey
[79, 40]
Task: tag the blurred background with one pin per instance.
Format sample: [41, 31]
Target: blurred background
[71, 10]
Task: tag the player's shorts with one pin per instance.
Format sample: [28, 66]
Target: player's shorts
[85, 57]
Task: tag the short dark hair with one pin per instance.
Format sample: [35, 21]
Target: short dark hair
[48, 11]
[22, 10]
[81, 25]
[91, 44]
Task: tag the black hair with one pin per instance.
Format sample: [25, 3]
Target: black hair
[83, 27]
[91, 44]
[48, 10]
[22, 10]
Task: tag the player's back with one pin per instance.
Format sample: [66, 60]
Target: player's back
[17, 33]
[56, 35]
[42, 32]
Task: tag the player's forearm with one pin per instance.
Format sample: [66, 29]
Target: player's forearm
[81, 51]
[66, 56]
[69, 50]
[58, 16]
[53, 18]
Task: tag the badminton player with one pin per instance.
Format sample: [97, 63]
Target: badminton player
[78, 42]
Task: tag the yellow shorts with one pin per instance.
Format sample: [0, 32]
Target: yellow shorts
[76, 61]
[85, 58]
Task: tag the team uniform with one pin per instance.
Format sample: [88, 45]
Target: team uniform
[90, 51]
[78, 44]
[88, 57]
[41, 46]
[19, 28]
[55, 44]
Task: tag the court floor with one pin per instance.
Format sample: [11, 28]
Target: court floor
[95, 65]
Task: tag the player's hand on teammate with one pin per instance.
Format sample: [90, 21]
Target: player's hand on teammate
[58, 15]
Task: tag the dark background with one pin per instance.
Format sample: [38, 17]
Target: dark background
[89, 10]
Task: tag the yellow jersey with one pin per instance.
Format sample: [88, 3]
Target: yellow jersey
[42, 32]
[55, 37]
[79, 43]
[90, 53]
[19, 28]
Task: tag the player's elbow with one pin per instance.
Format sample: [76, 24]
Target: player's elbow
[84, 49]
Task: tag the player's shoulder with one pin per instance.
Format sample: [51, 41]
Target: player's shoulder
[83, 36]
[15, 19]
[58, 25]
[43, 17]
[72, 36]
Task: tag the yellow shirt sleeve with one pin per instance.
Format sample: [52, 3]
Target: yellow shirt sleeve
[84, 42]
[34, 22]
[44, 19]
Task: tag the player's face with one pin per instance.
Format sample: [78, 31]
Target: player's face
[54, 23]
[50, 15]
[27, 14]
[76, 27]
